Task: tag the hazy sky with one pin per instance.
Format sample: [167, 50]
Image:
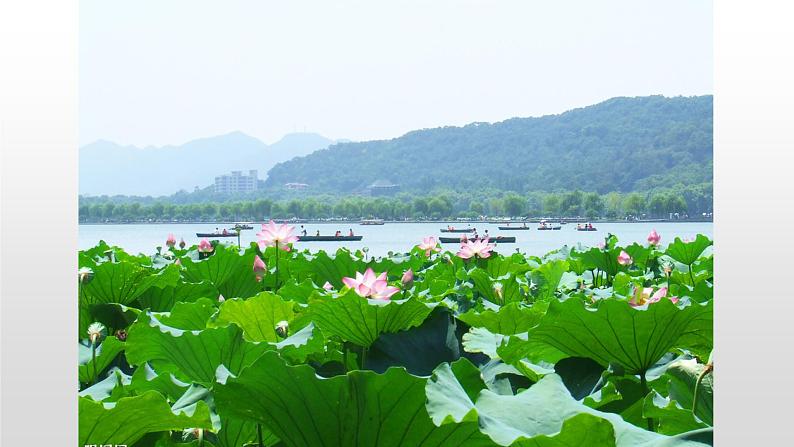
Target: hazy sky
[166, 72]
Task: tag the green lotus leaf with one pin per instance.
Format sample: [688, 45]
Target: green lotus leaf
[486, 286]
[146, 379]
[361, 408]
[106, 352]
[320, 267]
[512, 318]
[229, 271]
[688, 252]
[547, 277]
[456, 394]
[616, 333]
[162, 299]
[418, 349]
[683, 375]
[129, 419]
[669, 416]
[190, 355]
[189, 316]
[362, 321]
[257, 316]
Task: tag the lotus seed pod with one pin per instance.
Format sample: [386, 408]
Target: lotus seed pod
[96, 331]
[282, 329]
[85, 275]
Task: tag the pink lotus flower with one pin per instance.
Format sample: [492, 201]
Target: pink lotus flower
[205, 246]
[429, 244]
[181, 243]
[178, 261]
[624, 258]
[370, 285]
[408, 279]
[328, 286]
[643, 296]
[654, 238]
[479, 248]
[601, 245]
[259, 268]
[171, 241]
[273, 235]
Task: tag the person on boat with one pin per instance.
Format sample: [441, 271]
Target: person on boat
[450, 227]
[350, 233]
[225, 232]
[216, 230]
[338, 234]
[486, 234]
[303, 230]
[525, 225]
[318, 233]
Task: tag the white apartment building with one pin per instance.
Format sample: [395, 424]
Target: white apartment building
[236, 182]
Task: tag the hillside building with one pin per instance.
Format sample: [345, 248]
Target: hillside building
[383, 187]
[237, 182]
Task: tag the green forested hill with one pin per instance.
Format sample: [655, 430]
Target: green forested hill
[622, 144]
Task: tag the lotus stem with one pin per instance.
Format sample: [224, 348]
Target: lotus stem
[259, 435]
[646, 390]
[363, 357]
[691, 278]
[275, 288]
[705, 371]
[93, 359]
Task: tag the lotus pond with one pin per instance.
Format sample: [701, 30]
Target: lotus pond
[213, 346]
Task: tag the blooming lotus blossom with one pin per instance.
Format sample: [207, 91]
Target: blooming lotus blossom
[273, 235]
[328, 286]
[369, 285]
[259, 268]
[643, 296]
[171, 241]
[181, 243]
[624, 258]
[479, 248]
[654, 238]
[408, 278]
[205, 246]
[429, 244]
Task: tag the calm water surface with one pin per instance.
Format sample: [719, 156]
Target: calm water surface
[395, 237]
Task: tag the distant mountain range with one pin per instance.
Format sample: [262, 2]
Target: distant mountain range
[107, 168]
[622, 144]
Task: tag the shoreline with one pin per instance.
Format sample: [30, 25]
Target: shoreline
[455, 222]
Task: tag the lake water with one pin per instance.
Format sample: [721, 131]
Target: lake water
[396, 237]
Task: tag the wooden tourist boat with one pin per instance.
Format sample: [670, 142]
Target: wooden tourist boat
[497, 239]
[457, 230]
[328, 238]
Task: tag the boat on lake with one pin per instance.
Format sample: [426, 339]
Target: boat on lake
[372, 222]
[514, 228]
[585, 227]
[228, 234]
[328, 238]
[243, 226]
[544, 225]
[457, 230]
[497, 239]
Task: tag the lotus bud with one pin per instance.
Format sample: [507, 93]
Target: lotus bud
[408, 279]
[221, 298]
[181, 243]
[95, 332]
[205, 246]
[624, 258]
[654, 238]
[328, 286]
[259, 268]
[282, 328]
[178, 261]
[85, 275]
[121, 334]
[171, 240]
